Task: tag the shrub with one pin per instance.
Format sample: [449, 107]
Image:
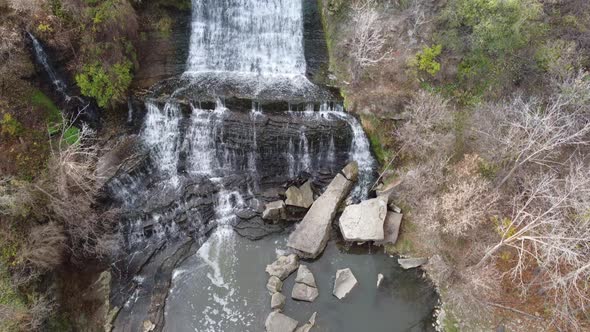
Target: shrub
[45, 247]
[426, 60]
[491, 35]
[107, 85]
[10, 126]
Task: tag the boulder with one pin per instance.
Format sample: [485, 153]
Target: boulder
[410, 263]
[274, 211]
[391, 227]
[392, 207]
[344, 283]
[311, 235]
[300, 197]
[277, 301]
[304, 292]
[351, 171]
[379, 279]
[277, 322]
[283, 266]
[364, 221]
[307, 326]
[304, 276]
[274, 285]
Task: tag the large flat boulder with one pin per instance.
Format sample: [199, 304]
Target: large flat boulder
[391, 227]
[300, 197]
[311, 235]
[364, 221]
[277, 322]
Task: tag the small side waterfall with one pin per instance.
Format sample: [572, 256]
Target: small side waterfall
[43, 59]
[76, 107]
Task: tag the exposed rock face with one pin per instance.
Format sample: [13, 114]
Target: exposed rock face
[344, 283]
[391, 227]
[300, 197]
[274, 211]
[277, 301]
[364, 221]
[277, 322]
[307, 326]
[310, 237]
[411, 263]
[274, 285]
[283, 266]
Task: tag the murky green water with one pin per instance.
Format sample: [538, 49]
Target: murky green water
[223, 288]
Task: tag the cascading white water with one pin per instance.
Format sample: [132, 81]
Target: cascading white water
[247, 37]
[42, 58]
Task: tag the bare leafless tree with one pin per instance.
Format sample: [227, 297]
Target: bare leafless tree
[368, 42]
[521, 132]
[428, 129]
[549, 229]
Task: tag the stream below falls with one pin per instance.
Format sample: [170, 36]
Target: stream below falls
[239, 127]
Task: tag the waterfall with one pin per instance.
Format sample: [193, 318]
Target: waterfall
[247, 37]
[43, 59]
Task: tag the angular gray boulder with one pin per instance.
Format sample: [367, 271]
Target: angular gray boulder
[305, 288]
[283, 266]
[300, 197]
[391, 227]
[303, 292]
[364, 221]
[311, 235]
[274, 285]
[277, 322]
[411, 263]
[274, 211]
[277, 301]
[344, 283]
[304, 276]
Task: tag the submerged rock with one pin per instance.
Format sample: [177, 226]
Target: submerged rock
[300, 197]
[364, 221]
[311, 235]
[274, 211]
[274, 285]
[277, 301]
[277, 322]
[283, 266]
[410, 263]
[391, 227]
[307, 326]
[344, 283]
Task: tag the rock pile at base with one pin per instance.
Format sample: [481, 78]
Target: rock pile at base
[311, 235]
